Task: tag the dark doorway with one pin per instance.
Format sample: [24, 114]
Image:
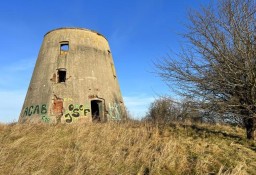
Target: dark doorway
[96, 110]
[61, 75]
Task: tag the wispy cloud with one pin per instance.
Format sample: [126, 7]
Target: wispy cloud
[11, 104]
[16, 75]
[20, 65]
[138, 104]
[13, 87]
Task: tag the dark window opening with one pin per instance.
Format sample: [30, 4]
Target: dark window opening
[61, 75]
[96, 110]
[64, 46]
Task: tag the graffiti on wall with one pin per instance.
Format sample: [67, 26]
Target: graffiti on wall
[115, 111]
[37, 110]
[45, 118]
[67, 99]
[75, 111]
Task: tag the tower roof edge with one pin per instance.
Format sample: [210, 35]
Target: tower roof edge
[76, 28]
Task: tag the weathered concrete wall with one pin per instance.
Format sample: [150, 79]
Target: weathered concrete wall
[90, 88]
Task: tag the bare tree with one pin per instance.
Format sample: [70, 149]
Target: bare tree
[217, 64]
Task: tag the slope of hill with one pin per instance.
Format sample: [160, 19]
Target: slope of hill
[124, 148]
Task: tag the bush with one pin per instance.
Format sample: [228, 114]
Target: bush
[163, 110]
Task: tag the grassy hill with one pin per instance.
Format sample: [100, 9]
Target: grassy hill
[124, 148]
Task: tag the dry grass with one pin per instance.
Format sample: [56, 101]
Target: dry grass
[124, 148]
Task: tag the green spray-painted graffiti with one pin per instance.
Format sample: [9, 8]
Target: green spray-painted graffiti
[115, 111]
[45, 118]
[35, 109]
[39, 110]
[75, 111]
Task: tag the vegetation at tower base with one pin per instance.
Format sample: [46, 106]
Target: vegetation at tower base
[125, 148]
[216, 68]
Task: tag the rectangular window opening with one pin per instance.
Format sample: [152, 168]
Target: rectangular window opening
[64, 46]
[62, 75]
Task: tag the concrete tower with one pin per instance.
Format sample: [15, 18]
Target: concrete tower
[74, 80]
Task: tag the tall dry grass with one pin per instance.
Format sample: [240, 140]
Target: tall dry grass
[124, 148]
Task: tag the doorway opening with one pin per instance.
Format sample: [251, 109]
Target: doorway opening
[96, 110]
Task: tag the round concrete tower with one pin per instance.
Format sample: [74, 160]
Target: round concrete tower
[74, 80]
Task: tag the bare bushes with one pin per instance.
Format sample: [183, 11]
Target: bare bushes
[162, 110]
[165, 110]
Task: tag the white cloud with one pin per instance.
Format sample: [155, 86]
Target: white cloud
[10, 105]
[13, 88]
[138, 105]
[16, 75]
[20, 65]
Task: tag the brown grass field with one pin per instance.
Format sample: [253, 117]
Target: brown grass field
[128, 148]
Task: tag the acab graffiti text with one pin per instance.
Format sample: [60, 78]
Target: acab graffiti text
[39, 110]
[36, 109]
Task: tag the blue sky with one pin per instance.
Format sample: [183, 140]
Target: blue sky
[138, 32]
